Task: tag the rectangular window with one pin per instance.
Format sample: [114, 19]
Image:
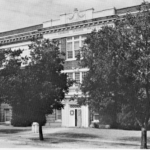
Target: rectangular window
[96, 117]
[69, 38]
[77, 77]
[69, 54]
[76, 48]
[76, 38]
[58, 114]
[7, 115]
[69, 46]
[82, 43]
[73, 46]
[83, 75]
[69, 50]
[76, 45]
[70, 76]
[59, 45]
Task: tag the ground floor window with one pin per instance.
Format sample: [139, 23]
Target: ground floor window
[96, 117]
[58, 114]
[7, 115]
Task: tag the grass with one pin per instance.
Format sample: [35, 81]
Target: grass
[77, 137]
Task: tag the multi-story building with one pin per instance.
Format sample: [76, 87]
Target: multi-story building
[71, 30]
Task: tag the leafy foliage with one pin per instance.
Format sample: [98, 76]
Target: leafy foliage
[39, 87]
[134, 63]
[119, 68]
[99, 85]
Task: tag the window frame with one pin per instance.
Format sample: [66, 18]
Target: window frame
[74, 77]
[72, 40]
[58, 114]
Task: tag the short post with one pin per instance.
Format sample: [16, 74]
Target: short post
[35, 127]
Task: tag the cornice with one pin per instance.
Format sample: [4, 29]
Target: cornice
[19, 39]
[40, 32]
[26, 34]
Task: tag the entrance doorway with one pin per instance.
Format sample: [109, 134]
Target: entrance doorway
[75, 116]
[7, 115]
[78, 118]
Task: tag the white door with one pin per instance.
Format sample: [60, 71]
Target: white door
[72, 117]
[78, 118]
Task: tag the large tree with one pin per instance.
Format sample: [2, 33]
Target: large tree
[133, 64]
[35, 90]
[119, 67]
[99, 85]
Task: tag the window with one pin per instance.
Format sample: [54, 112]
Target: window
[58, 114]
[77, 78]
[59, 45]
[7, 115]
[73, 46]
[70, 76]
[96, 117]
[83, 75]
[76, 48]
[69, 50]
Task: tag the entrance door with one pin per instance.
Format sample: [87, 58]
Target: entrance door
[6, 115]
[78, 118]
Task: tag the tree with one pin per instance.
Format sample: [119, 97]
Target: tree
[39, 87]
[119, 67]
[99, 85]
[133, 62]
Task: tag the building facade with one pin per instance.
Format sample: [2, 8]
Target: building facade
[71, 30]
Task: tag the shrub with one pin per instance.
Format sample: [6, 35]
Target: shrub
[25, 119]
[20, 120]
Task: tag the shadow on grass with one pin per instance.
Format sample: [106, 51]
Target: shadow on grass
[135, 139]
[9, 131]
[53, 140]
[73, 135]
[64, 138]
[85, 143]
[123, 145]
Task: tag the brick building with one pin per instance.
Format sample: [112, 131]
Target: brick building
[71, 30]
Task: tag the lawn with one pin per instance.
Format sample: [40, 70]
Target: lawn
[76, 137]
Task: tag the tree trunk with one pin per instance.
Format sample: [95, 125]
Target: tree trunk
[143, 138]
[40, 133]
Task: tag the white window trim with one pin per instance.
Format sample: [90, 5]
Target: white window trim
[80, 75]
[73, 51]
[73, 70]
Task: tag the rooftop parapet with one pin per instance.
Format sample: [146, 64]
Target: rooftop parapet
[79, 16]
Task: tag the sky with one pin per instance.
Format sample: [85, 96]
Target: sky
[17, 14]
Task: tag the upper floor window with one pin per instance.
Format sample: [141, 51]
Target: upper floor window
[77, 76]
[70, 76]
[83, 75]
[73, 45]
